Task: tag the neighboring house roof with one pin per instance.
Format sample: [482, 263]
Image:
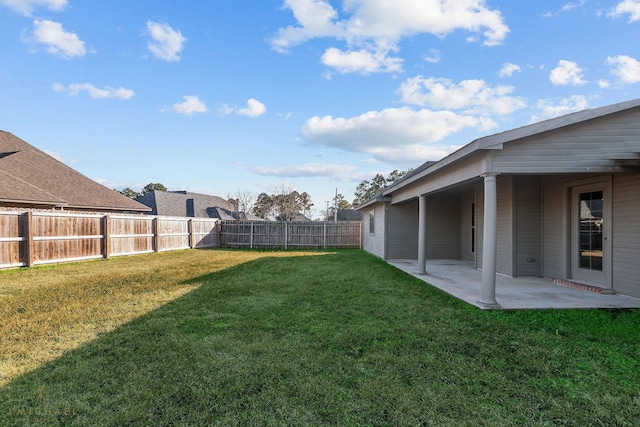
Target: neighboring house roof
[349, 215]
[296, 218]
[31, 178]
[497, 141]
[186, 204]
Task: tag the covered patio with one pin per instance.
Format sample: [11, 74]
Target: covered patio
[461, 280]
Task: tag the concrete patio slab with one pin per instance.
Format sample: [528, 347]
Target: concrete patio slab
[462, 280]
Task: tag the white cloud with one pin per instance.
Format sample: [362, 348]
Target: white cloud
[26, 7]
[378, 26]
[306, 170]
[362, 61]
[508, 69]
[469, 96]
[433, 57]
[192, 104]
[394, 134]
[166, 43]
[550, 109]
[626, 68]
[567, 73]
[58, 42]
[631, 7]
[565, 8]
[254, 108]
[95, 93]
[570, 6]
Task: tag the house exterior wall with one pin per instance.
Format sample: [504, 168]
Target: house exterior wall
[467, 251]
[479, 224]
[374, 242]
[402, 231]
[626, 234]
[625, 226]
[528, 226]
[504, 253]
[443, 227]
[555, 228]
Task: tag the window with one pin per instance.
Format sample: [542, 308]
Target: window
[590, 213]
[372, 221]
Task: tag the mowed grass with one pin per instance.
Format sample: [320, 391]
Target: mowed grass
[277, 338]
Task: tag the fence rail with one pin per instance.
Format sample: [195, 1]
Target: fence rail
[286, 235]
[43, 237]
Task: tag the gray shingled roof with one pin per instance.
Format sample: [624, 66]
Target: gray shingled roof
[30, 177]
[349, 215]
[185, 204]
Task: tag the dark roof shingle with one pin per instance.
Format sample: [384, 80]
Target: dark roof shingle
[31, 177]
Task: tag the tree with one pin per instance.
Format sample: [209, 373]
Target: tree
[153, 186]
[284, 204]
[264, 206]
[129, 193]
[339, 202]
[366, 190]
[242, 200]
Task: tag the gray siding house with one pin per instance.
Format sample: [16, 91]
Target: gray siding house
[558, 199]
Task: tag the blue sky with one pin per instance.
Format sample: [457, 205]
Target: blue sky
[253, 96]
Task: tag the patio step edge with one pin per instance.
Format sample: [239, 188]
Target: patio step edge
[583, 286]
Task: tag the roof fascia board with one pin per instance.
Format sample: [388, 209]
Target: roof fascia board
[373, 201]
[461, 153]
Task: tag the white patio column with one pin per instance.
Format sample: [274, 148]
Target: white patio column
[422, 235]
[489, 244]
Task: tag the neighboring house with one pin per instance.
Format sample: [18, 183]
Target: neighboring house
[191, 205]
[558, 199]
[30, 178]
[349, 215]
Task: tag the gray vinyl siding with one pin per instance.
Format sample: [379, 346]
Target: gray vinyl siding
[554, 228]
[528, 226]
[443, 227]
[479, 224]
[402, 230]
[374, 242]
[577, 148]
[626, 234]
[504, 253]
[466, 250]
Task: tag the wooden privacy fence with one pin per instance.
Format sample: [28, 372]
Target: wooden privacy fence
[32, 238]
[286, 235]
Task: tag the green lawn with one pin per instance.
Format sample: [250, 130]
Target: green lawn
[337, 338]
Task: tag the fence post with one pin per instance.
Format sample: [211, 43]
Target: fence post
[251, 236]
[28, 229]
[192, 240]
[106, 236]
[156, 240]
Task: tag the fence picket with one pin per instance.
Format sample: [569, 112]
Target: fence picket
[285, 235]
